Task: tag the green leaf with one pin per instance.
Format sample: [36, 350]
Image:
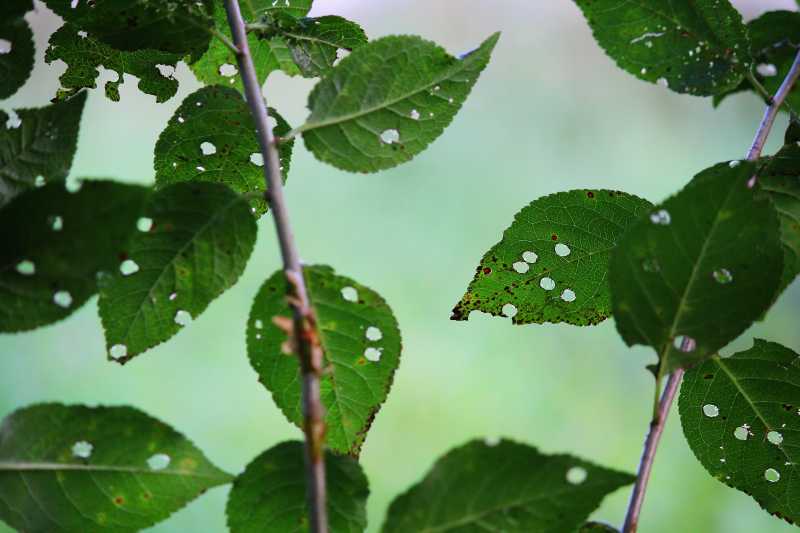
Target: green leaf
[597, 527]
[201, 237]
[16, 46]
[361, 343]
[218, 65]
[507, 487]
[315, 42]
[388, 100]
[211, 138]
[270, 495]
[696, 272]
[179, 27]
[84, 55]
[552, 263]
[37, 145]
[96, 469]
[781, 180]
[774, 39]
[54, 245]
[698, 47]
[740, 417]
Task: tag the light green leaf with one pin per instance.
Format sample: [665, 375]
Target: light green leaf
[699, 269]
[77, 469]
[54, 245]
[740, 417]
[552, 263]
[218, 65]
[388, 100]
[201, 237]
[315, 42]
[270, 495]
[16, 46]
[698, 47]
[37, 145]
[361, 343]
[178, 27]
[503, 486]
[212, 138]
[84, 55]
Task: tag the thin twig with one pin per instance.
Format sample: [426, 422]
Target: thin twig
[649, 453]
[657, 425]
[306, 340]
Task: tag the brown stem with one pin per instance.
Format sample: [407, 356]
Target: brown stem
[306, 339]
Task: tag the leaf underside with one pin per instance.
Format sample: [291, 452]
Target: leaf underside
[361, 343]
[507, 487]
[270, 495]
[740, 417]
[54, 245]
[17, 63]
[552, 263]
[698, 47]
[388, 100]
[201, 237]
[695, 273]
[211, 138]
[77, 469]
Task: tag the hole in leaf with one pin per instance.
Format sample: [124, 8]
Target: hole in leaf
[390, 136]
[128, 267]
[374, 334]
[735, 163]
[767, 70]
[661, 217]
[82, 449]
[373, 354]
[62, 299]
[144, 224]
[258, 324]
[26, 268]
[183, 318]
[562, 250]
[118, 351]
[257, 159]
[350, 294]
[166, 70]
[56, 223]
[547, 284]
[576, 475]
[711, 410]
[723, 276]
[521, 267]
[228, 70]
[774, 437]
[772, 475]
[173, 296]
[13, 122]
[509, 310]
[158, 461]
[73, 185]
[568, 295]
[341, 53]
[415, 114]
[6, 46]
[208, 148]
[39, 181]
[742, 432]
[530, 257]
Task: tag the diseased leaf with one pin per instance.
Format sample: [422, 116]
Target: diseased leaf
[388, 100]
[200, 239]
[77, 469]
[740, 417]
[55, 243]
[218, 65]
[696, 272]
[361, 343]
[179, 27]
[212, 138]
[16, 46]
[270, 495]
[315, 42]
[552, 263]
[84, 55]
[507, 487]
[698, 47]
[37, 145]
[774, 39]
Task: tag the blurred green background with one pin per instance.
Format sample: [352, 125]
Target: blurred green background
[551, 113]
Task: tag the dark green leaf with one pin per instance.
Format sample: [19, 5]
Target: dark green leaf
[774, 39]
[740, 417]
[597, 527]
[84, 55]
[552, 264]
[270, 496]
[218, 65]
[201, 237]
[16, 46]
[388, 100]
[315, 42]
[179, 27]
[212, 137]
[781, 180]
[696, 272]
[54, 245]
[505, 487]
[361, 342]
[37, 145]
[698, 47]
[76, 469]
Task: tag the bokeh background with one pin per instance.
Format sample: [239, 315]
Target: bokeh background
[551, 113]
